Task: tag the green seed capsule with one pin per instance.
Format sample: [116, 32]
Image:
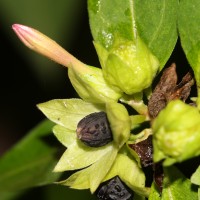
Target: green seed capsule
[94, 130]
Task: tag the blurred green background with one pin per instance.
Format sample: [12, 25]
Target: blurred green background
[28, 78]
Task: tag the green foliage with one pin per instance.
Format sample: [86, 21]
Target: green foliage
[176, 186]
[110, 27]
[156, 23]
[120, 123]
[133, 40]
[135, 177]
[91, 86]
[29, 163]
[188, 26]
[122, 53]
[64, 111]
[195, 178]
[189, 32]
[155, 194]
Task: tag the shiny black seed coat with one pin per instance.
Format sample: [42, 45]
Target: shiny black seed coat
[114, 189]
[94, 130]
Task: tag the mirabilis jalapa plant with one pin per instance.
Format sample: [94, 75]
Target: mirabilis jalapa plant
[133, 41]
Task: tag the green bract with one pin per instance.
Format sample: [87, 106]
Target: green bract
[130, 173]
[90, 84]
[176, 133]
[120, 123]
[128, 66]
[66, 114]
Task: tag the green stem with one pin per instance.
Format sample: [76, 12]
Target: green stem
[139, 106]
[136, 120]
[136, 102]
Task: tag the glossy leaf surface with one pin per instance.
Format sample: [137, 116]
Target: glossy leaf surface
[156, 22]
[177, 186]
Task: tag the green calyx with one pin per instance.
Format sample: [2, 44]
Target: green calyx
[120, 123]
[90, 85]
[176, 133]
[67, 113]
[129, 66]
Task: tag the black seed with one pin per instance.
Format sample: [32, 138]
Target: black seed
[96, 126]
[94, 130]
[118, 188]
[114, 189]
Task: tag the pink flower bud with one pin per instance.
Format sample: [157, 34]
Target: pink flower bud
[42, 44]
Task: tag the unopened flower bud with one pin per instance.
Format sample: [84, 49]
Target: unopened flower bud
[43, 45]
[87, 81]
[90, 84]
[128, 65]
[176, 133]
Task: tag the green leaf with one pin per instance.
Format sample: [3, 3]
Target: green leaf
[199, 194]
[177, 186]
[154, 194]
[195, 178]
[90, 84]
[97, 176]
[188, 26]
[64, 135]
[10, 195]
[129, 172]
[67, 112]
[156, 22]
[126, 61]
[78, 156]
[120, 122]
[30, 162]
[110, 20]
[92, 176]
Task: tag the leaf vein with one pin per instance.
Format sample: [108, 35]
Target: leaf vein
[154, 37]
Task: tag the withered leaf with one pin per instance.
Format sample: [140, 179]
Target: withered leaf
[144, 149]
[167, 90]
